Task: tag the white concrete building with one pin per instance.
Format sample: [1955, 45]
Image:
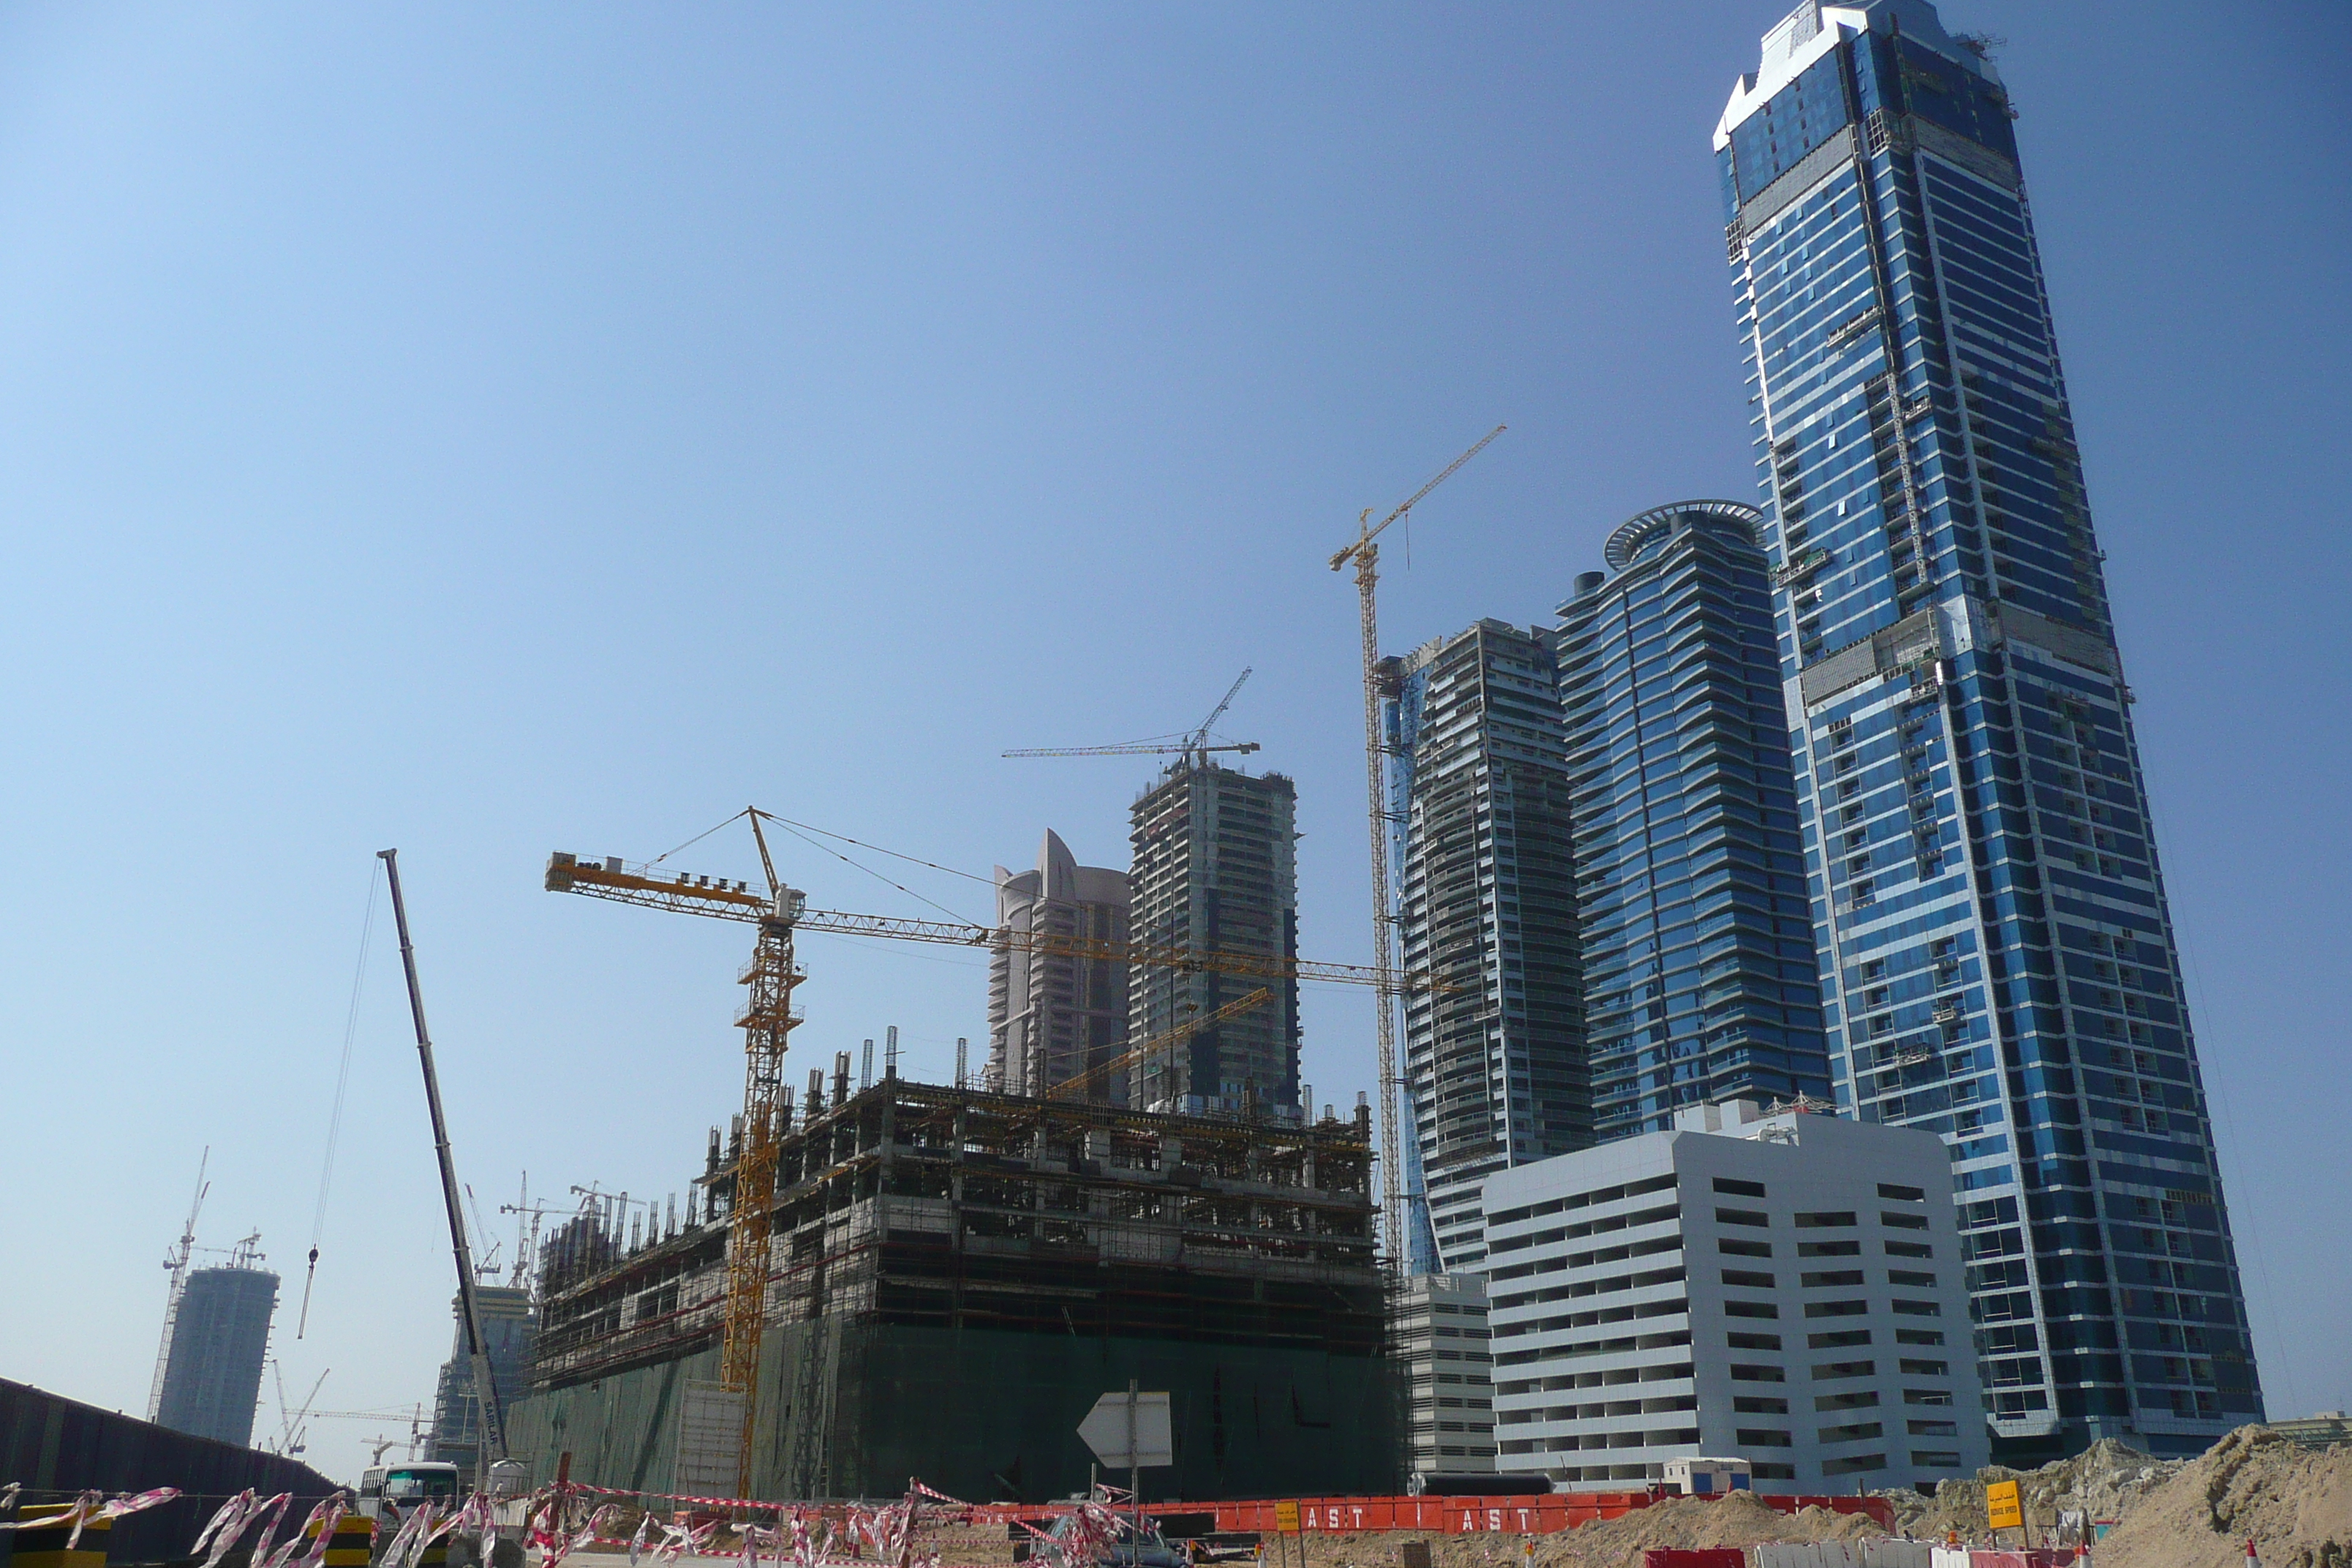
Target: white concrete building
[1439, 1325]
[1785, 1288]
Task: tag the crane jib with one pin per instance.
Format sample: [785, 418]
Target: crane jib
[723, 900]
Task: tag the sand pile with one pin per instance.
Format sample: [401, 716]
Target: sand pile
[2294, 1503]
[2103, 1481]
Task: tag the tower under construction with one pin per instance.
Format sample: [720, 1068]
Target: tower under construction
[220, 1336]
[1494, 1070]
[1215, 872]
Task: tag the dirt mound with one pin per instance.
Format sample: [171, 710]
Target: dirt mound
[1735, 1521]
[2103, 1480]
[2294, 1503]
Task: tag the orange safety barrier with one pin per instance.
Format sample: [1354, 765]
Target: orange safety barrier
[1538, 1513]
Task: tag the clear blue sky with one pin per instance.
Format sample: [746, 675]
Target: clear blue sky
[490, 430]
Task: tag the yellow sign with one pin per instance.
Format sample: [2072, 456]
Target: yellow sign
[1285, 1517]
[2002, 1510]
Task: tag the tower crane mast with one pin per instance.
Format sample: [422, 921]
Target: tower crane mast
[175, 1264]
[1365, 552]
[767, 1022]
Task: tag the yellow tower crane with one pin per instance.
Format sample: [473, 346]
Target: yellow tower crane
[768, 1019]
[1366, 554]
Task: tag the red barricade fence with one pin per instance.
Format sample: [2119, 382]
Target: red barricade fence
[1538, 1513]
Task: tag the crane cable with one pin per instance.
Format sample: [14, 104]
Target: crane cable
[335, 1117]
[800, 830]
[828, 849]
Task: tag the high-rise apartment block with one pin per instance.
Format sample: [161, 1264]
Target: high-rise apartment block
[1494, 1068]
[1699, 942]
[1996, 958]
[1216, 870]
[1782, 1287]
[220, 1336]
[1055, 1015]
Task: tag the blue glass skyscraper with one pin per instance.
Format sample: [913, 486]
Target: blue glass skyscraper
[1698, 945]
[1997, 957]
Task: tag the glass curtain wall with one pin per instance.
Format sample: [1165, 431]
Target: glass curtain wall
[1997, 956]
[1699, 970]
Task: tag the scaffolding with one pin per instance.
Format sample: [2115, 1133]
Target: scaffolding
[913, 1224]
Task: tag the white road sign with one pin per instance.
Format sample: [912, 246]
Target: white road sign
[1107, 1425]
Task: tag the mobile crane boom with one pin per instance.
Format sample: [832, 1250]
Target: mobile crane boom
[477, 1350]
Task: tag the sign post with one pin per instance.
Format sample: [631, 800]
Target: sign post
[1131, 1430]
[2003, 1508]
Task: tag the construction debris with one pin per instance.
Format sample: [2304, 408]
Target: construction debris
[2294, 1503]
[2101, 1482]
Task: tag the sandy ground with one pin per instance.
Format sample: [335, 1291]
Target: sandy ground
[1609, 1543]
[2294, 1503]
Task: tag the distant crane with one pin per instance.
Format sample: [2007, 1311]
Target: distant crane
[413, 1442]
[526, 1217]
[290, 1434]
[486, 1268]
[175, 1264]
[1194, 743]
[1365, 555]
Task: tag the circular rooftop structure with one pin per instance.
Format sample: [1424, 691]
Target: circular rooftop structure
[1638, 533]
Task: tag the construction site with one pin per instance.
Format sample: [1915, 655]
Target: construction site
[957, 1275]
[890, 1279]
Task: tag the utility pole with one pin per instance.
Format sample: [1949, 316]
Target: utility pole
[486, 1389]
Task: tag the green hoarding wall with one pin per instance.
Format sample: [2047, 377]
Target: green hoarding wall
[856, 1411]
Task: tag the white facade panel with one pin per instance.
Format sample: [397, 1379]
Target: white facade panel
[1784, 1289]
